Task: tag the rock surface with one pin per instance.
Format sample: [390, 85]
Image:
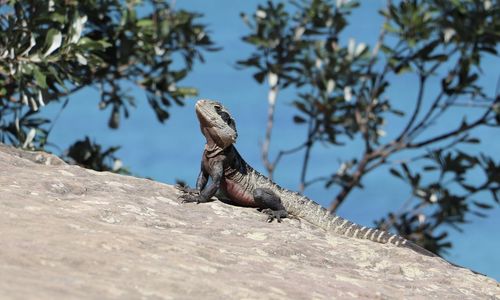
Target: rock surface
[72, 233]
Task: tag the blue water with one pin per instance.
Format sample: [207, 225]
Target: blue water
[172, 151]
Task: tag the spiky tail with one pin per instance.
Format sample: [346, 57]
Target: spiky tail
[319, 216]
[350, 229]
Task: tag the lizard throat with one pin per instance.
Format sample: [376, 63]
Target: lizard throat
[213, 150]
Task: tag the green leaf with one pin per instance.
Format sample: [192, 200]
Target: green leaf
[472, 141]
[257, 41]
[298, 119]
[491, 50]
[402, 68]
[27, 69]
[145, 23]
[57, 17]
[53, 41]
[187, 91]
[387, 50]
[396, 173]
[389, 28]
[104, 43]
[469, 188]
[439, 57]
[301, 106]
[406, 169]
[260, 76]
[426, 50]
[114, 118]
[482, 205]
[397, 112]
[55, 73]
[90, 44]
[496, 195]
[479, 214]
[178, 75]
[40, 78]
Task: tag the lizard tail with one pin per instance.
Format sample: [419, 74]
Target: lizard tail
[354, 230]
[347, 228]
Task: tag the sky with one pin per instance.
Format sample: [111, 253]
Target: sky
[171, 151]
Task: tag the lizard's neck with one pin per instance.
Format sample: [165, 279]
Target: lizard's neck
[211, 147]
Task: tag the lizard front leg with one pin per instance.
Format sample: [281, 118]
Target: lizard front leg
[270, 204]
[204, 192]
[201, 182]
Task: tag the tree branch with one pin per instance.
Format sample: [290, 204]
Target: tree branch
[305, 162]
[273, 93]
[418, 106]
[315, 180]
[422, 123]
[356, 178]
[463, 128]
[286, 152]
[435, 104]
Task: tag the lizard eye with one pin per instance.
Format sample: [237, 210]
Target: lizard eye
[225, 116]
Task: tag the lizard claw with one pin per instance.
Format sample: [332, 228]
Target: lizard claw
[190, 197]
[274, 214]
[185, 189]
[272, 217]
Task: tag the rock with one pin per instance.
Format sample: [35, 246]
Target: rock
[72, 233]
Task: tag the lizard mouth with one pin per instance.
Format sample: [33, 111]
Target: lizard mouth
[205, 116]
[199, 103]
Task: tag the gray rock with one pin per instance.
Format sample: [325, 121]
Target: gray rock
[71, 233]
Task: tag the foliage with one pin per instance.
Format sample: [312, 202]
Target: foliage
[343, 96]
[89, 155]
[51, 49]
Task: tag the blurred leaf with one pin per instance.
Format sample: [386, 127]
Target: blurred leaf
[40, 78]
[395, 172]
[482, 205]
[298, 119]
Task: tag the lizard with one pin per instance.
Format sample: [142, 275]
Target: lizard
[240, 184]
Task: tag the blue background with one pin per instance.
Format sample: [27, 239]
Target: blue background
[172, 151]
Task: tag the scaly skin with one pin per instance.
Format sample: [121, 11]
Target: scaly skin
[244, 186]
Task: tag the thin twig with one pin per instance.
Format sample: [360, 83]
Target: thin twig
[286, 152]
[356, 178]
[418, 106]
[273, 92]
[444, 136]
[315, 180]
[312, 128]
[471, 105]
[305, 162]
[422, 124]
[464, 127]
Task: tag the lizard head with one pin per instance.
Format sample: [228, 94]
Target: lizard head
[216, 123]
